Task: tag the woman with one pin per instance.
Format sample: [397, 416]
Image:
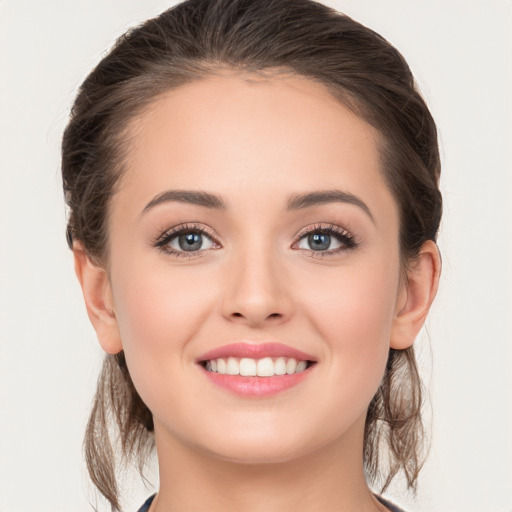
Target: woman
[254, 203]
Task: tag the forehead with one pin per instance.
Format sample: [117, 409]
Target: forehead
[233, 133]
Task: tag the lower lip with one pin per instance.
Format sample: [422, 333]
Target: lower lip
[259, 387]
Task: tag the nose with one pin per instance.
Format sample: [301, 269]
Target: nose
[256, 291]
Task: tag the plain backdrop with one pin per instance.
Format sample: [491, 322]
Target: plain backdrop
[461, 54]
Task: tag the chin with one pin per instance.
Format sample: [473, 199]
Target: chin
[257, 455]
[263, 447]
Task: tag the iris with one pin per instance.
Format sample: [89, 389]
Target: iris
[319, 241]
[190, 241]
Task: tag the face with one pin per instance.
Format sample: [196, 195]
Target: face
[251, 231]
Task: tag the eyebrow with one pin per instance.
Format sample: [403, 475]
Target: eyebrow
[296, 202]
[187, 196]
[301, 201]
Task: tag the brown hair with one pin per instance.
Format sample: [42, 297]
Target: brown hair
[195, 39]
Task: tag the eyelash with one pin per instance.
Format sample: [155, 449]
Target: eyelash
[164, 240]
[348, 241]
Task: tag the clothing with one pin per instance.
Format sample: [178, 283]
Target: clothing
[390, 506]
[147, 504]
[387, 504]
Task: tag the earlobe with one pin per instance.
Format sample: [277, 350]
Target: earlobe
[97, 294]
[416, 296]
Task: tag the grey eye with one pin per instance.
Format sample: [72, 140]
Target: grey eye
[190, 241]
[318, 241]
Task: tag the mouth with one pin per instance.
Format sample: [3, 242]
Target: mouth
[249, 367]
[257, 370]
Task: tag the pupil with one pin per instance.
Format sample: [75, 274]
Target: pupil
[319, 241]
[190, 242]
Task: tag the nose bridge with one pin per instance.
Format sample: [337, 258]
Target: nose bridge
[256, 291]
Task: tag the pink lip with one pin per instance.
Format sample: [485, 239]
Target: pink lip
[257, 387]
[256, 351]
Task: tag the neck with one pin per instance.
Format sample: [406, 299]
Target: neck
[331, 478]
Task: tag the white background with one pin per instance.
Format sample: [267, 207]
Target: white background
[461, 53]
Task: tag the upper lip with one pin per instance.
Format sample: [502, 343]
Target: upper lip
[255, 351]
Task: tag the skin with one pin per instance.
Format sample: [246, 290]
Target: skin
[256, 143]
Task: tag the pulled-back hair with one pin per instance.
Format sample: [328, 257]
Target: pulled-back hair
[198, 38]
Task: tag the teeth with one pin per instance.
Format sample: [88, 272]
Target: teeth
[233, 366]
[247, 367]
[221, 365]
[280, 366]
[291, 366]
[301, 366]
[265, 367]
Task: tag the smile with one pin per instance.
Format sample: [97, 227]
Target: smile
[248, 367]
[256, 370]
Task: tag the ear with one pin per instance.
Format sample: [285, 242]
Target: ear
[416, 296]
[97, 293]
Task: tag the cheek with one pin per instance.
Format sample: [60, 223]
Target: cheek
[158, 312]
[360, 301]
[353, 311]
[156, 305]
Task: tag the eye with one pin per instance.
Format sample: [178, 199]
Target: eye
[191, 241]
[186, 240]
[327, 239]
